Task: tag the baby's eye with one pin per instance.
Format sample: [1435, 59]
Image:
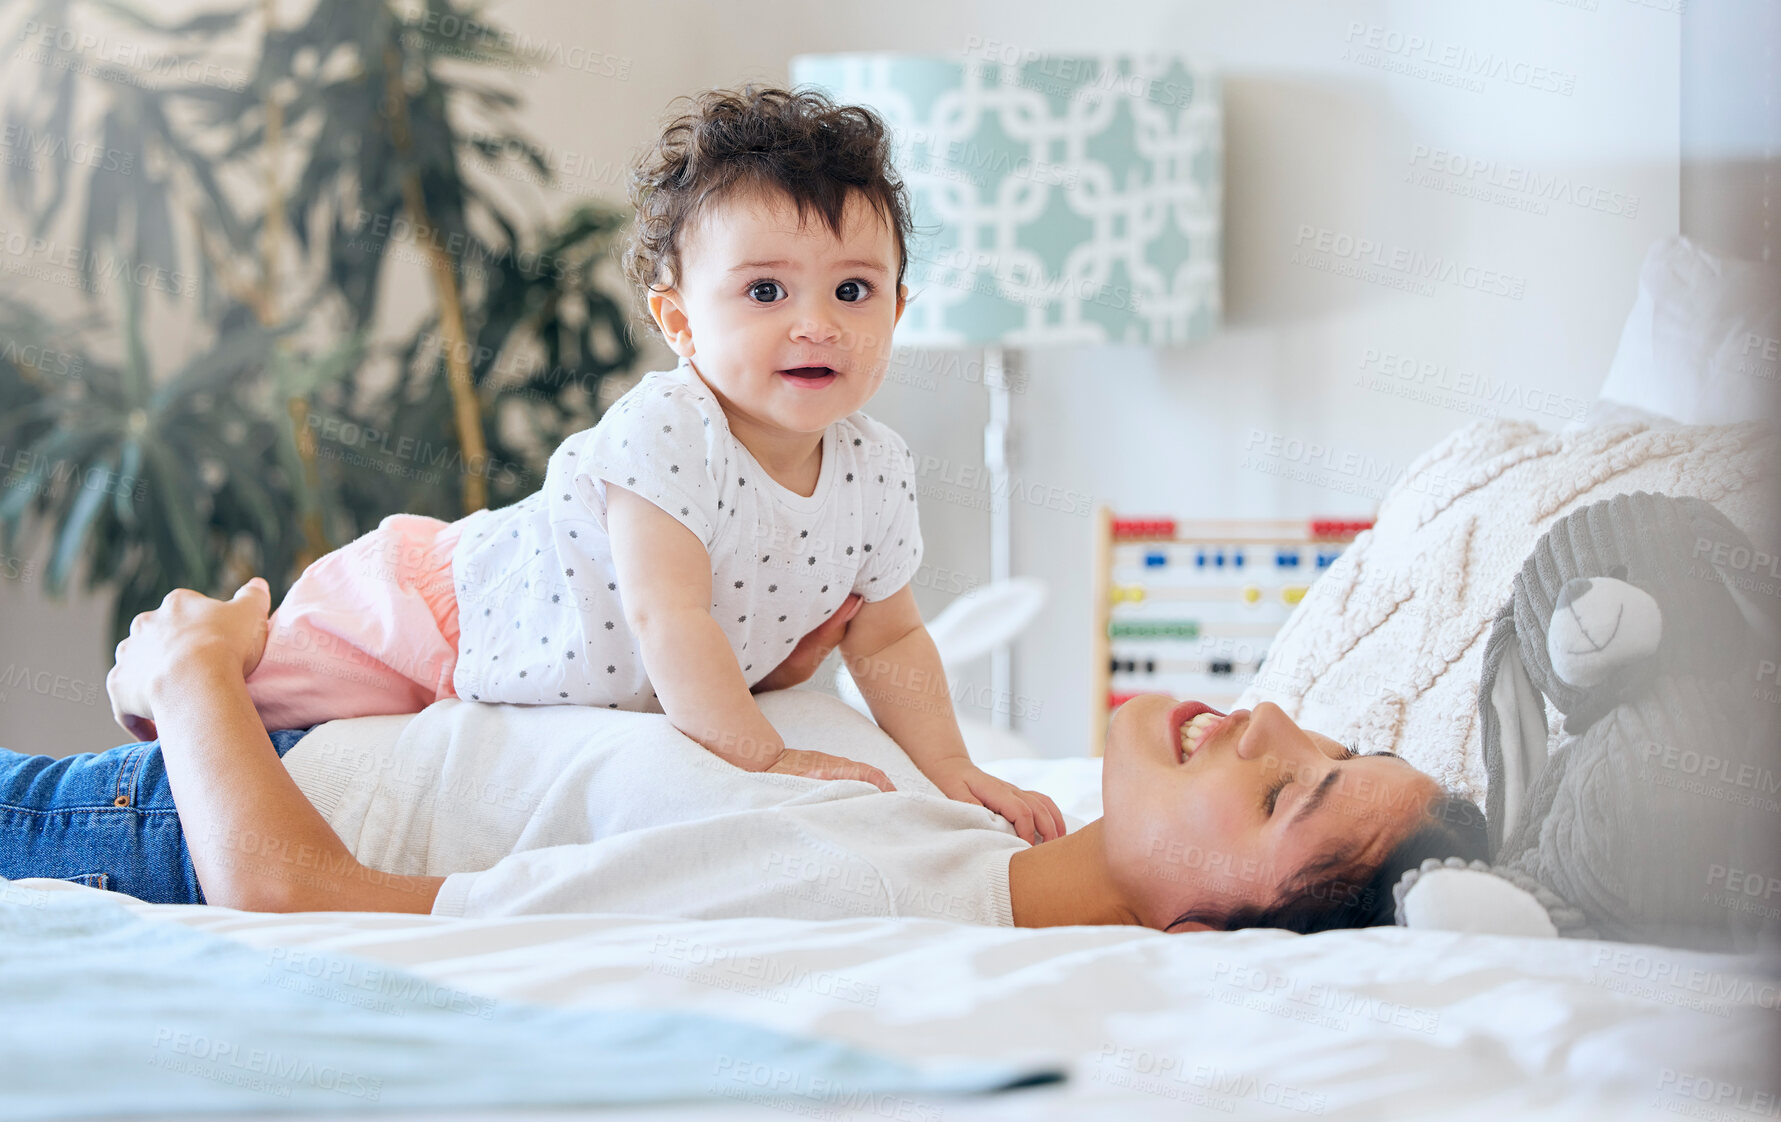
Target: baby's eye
[863, 288]
[766, 286]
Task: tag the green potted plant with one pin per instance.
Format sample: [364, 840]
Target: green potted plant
[265, 204]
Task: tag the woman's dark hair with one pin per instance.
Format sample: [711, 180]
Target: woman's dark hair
[797, 142]
[1330, 894]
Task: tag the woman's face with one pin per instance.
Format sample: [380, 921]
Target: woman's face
[1222, 819]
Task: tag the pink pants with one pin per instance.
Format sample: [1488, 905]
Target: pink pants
[371, 628]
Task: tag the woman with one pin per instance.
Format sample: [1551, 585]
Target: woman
[1212, 821]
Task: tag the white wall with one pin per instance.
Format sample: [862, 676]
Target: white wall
[1314, 139]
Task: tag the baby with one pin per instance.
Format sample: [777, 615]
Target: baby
[717, 513]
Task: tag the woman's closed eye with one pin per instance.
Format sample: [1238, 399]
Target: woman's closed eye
[1272, 795]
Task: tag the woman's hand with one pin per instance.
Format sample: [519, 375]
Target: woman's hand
[811, 650]
[188, 629]
[1035, 817]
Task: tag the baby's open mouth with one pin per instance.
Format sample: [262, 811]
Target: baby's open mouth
[810, 373]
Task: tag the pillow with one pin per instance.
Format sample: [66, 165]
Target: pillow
[1702, 344]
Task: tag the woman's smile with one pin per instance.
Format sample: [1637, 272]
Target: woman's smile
[1193, 725]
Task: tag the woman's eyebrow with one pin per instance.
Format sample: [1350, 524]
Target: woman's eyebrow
[1315, 798]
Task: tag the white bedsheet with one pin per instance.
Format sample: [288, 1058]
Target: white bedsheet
[1383, 1023]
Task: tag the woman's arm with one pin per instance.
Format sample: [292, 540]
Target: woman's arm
[255, 840]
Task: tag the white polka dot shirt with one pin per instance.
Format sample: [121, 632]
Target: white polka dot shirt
[540, 610]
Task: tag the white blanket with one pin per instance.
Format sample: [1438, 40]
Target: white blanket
[1381, 1023]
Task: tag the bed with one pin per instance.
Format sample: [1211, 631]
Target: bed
[1381, 1023]
[1377, 1024]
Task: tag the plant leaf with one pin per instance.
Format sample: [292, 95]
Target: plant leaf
[73, 536]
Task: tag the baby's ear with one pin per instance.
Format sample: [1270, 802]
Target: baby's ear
[1599, 625]
[666, 309]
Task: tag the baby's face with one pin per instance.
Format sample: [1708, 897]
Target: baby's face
[761, 296]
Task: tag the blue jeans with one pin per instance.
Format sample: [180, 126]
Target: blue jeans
[104, 819]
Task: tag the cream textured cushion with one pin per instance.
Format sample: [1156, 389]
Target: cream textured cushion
[1385, 651]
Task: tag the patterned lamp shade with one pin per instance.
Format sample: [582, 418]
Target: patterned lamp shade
[1056, 199]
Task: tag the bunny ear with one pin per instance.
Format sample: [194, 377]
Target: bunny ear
[984, 618]
[1512, 719]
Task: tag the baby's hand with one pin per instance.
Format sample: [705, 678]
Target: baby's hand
[821, 765]
[1036, 818]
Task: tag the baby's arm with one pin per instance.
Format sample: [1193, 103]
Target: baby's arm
[664, 578]
[894, 662]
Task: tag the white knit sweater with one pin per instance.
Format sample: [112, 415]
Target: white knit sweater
[1385, 651]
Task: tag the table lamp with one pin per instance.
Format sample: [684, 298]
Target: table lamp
[1057, 199]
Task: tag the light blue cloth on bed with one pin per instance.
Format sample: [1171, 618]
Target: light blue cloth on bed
[106, 1013]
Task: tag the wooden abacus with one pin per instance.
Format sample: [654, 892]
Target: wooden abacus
[1244, 578]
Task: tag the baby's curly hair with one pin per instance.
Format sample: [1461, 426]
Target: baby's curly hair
[798, 142]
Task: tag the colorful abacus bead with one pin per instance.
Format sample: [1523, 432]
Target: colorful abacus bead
[1138, 529]
[1326, 528]
[1154, 629]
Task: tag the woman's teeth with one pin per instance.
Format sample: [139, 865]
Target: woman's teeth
[1195, 731]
